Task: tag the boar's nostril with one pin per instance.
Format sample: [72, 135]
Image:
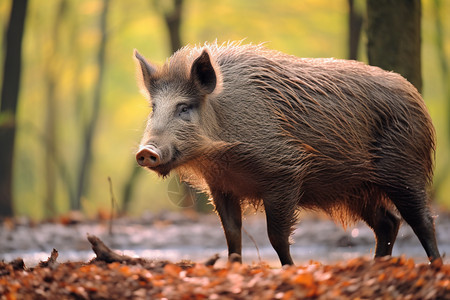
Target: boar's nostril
[148, 156]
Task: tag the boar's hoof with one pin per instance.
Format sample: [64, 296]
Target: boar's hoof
[234, 257]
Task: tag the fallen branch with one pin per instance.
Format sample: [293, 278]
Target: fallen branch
[51, 261]
[212, 260]
[18, 264]
[104, 253]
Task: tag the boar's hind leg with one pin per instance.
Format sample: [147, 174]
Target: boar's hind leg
[229, 209]
[279, 228]
[413, 207]
[385, 225]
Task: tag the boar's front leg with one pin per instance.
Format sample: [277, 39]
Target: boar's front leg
[229, 209]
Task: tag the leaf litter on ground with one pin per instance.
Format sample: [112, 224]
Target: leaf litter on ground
[115, 276]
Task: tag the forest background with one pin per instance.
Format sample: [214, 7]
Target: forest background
[80, 115]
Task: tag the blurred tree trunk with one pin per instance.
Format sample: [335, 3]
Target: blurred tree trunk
[9, 100]
[75, 52]
[355, 22]
[51, 121]
[128, 188]
[86, 159]
[172, 12]
[393, 33]
[440, 47]
[173, 22]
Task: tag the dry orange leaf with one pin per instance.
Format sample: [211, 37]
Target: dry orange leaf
[420, 282]
[381, 277]
[125, 270]
[305, 279]
[445, 284]
[172, 270]
[288, 295]
[89, 269]
[199, 270]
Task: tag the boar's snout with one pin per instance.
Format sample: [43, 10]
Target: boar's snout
[148, 156]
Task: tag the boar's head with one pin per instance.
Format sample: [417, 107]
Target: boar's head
[182, 122]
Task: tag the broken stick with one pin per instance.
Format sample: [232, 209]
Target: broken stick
[104, 253]
[51, 261]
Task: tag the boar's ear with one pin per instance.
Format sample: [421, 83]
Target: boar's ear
[145, 71]
[203, 73]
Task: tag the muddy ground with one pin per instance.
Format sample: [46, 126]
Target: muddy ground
[176, 236]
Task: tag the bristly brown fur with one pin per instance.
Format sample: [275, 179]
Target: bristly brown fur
[331, 121]
[336, 135]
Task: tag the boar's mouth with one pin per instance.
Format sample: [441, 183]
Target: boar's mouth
[165, 168]
[162, 170]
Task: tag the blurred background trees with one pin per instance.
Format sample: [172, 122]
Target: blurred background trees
[12, 67]
[80, 115]
[393, 37]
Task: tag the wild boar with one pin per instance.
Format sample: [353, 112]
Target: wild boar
[255, 126]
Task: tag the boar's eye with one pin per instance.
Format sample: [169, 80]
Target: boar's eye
[184, 111]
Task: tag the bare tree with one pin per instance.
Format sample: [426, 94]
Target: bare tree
[86, 159]
[393, 33]
[173, 22]
[129, 187]
[9, 101]
[355, 22]
[172, 12]
[444, 64]
[52, 74]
